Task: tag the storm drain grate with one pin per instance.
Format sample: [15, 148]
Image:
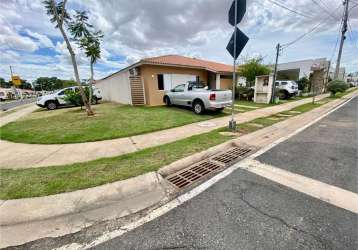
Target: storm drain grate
[192, 174]
[197, 171]
[232, 155]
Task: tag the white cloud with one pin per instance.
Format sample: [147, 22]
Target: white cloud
[43, 40]
[143, 28]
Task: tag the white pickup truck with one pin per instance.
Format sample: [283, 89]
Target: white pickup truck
[198, 97]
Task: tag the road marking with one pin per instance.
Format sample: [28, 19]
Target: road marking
[333, 195]
[197, 190]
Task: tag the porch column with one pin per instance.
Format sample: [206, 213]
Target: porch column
[217, 86]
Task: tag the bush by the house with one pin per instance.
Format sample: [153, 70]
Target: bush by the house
[74, 97]
[244, 93]
[337, 86]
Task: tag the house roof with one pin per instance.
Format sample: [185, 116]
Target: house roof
[183, 61]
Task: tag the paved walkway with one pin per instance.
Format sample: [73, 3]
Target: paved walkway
[29, 108]
[19, 155]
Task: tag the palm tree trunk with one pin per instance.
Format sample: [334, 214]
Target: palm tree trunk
[73, 59]
[90, 84]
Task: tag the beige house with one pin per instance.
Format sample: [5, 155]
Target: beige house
[146, 81]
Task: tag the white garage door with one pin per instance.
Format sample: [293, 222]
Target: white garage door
[173, 80]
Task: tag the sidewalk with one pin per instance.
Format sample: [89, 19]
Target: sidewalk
[19, 155]
[29, 219]
[23, 110]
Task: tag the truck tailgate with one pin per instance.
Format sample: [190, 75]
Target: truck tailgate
[223, 95]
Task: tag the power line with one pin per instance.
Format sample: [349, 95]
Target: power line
[335, 46]
[305, 34]
[353, 40]
[289, 9]
[325, 10]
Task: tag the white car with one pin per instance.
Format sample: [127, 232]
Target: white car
[287, 88]
[198, 97]
[57, 99]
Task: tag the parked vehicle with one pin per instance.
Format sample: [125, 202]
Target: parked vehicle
[287, 88]
[57, 99]
[198, 97]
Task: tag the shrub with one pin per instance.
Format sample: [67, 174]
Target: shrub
[244, 93]
[74, 97]
[337, 86]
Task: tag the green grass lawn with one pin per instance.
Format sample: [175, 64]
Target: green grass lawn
[23, 183]
[71, 125]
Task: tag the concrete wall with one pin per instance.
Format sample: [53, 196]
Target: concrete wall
[303, 67]
[153, 95]
[116, 88]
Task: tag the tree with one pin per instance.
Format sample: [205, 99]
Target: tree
[4, 84]
[48, 83]
[59, 15]
[303, 83]
[253, 67]
[88, 40]
[25, 85]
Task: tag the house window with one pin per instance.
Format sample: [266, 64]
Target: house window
[160, 82]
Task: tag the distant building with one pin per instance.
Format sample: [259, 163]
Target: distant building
[341, 74]
[314, 69]
[298, 69]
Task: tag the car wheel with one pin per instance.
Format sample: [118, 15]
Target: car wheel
[51, 105]
[198, 107]
[167, 101]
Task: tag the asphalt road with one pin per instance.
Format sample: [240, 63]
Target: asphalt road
[13, 104]
[245, 211]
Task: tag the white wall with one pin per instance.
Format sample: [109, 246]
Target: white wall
[116, 88]
[173, 80]
[303, 66]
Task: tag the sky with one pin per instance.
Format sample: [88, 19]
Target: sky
[134, 29]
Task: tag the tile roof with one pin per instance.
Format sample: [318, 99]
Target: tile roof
[176, 60]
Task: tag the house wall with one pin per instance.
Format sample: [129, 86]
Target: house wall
[150, 76]
[225, 83]
[116, 88]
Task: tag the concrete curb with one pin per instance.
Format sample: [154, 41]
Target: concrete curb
[25, 220]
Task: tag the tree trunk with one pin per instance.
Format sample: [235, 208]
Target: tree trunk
[90, 84]
[73, 57]
[74, 63]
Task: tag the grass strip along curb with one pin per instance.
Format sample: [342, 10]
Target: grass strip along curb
[35, 182]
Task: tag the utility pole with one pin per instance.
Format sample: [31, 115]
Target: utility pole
[278, 48]
[343, 37]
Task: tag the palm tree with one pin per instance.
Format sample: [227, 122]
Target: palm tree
[88, 40]
[92, 47]
[59, 15]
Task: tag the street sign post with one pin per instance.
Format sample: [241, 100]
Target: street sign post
[236, 45]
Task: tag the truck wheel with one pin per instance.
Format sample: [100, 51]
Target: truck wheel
[167, 101]
[51, 105]
[198, 107]
[283, 94]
